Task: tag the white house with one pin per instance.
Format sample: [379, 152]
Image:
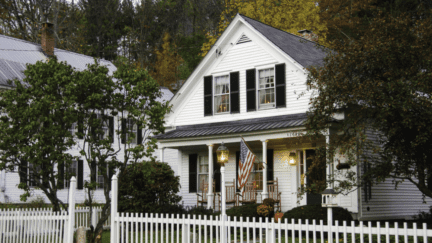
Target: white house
[252, 84]
[14, 54]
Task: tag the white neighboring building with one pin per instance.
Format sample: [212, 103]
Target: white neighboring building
[14, 55]
[249, 85]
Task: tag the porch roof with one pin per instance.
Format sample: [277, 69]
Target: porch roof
[248, 125]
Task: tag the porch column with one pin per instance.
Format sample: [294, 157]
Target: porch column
[161, 154]
[210, 177]
[264, 160]
[329, 165]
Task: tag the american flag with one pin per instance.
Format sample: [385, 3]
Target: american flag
[247, 159]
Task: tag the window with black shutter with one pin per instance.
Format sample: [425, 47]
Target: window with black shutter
[235, 94]
[250, 90]
[111, 128]
[208, 96]
[280, 86]
[193, 158]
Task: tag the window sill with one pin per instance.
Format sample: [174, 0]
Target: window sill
[222, 113]
[267, 107]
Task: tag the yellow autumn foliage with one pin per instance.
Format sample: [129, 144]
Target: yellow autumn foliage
[287, 15]
[165, 70]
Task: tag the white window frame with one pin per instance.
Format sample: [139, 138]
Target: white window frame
[30, 173]
[129, 130]
[271, 105]
[202, 158]
[105, 125]
[73, 168]
[227, 111]
[257, 170]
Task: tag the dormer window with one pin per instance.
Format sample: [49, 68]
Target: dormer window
[221, 94]
[266, 88]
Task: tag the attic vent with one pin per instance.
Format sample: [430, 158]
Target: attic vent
[243, 39]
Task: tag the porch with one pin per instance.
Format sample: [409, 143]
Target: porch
[198, 168]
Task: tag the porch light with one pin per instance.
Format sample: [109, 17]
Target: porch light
[292, 158]
[222, 154]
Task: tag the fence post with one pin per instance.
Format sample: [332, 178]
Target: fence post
[114, 201]
[94, 216]
[71, 211]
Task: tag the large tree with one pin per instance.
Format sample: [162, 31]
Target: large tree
[380, 77]
[56, 110]
[34, 132]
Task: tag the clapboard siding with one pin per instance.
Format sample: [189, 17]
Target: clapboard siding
[238, 59]
[388, 202]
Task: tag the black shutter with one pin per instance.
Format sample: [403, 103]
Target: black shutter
[216, 174]
[123, 130]
[93, 171]
[270, 164]
[234, 92]
[250, 90]
[81, 126]
[23, 171]
[139, 135]
[111, 128]
[208, 96]
[80, 179]
[193, 159]
[237, 170]
[61, 175]
[280, 86]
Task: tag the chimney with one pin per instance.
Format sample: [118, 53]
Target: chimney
[47, 39]
[308, 35]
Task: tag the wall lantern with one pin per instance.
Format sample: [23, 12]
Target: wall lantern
[222, 154]
[292, 158]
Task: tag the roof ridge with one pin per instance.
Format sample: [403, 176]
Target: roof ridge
[55, 48]
[279, 29]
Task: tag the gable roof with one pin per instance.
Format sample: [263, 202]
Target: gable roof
[300, 49]
[16, 53]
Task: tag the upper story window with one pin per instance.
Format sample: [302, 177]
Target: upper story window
[266, 88]
[221, 94]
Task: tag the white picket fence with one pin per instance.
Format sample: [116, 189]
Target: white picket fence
[131, 228]
[39, 225]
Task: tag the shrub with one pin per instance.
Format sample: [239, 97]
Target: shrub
[200, 210]
[248, 210]
[148, 187]
[316, 212]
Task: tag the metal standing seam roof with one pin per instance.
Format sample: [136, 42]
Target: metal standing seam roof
[16, 53]
[248, 125]
[300, 49]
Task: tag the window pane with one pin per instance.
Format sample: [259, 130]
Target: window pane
[222, 103]
[221, 85]
[267, 96]
[266, 78]
[203, 183]
[203, 165]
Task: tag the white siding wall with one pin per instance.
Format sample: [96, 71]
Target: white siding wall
[240, 58]
[388, 202]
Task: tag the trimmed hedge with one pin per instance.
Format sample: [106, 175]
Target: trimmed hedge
[248, 210]
[316, 212]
